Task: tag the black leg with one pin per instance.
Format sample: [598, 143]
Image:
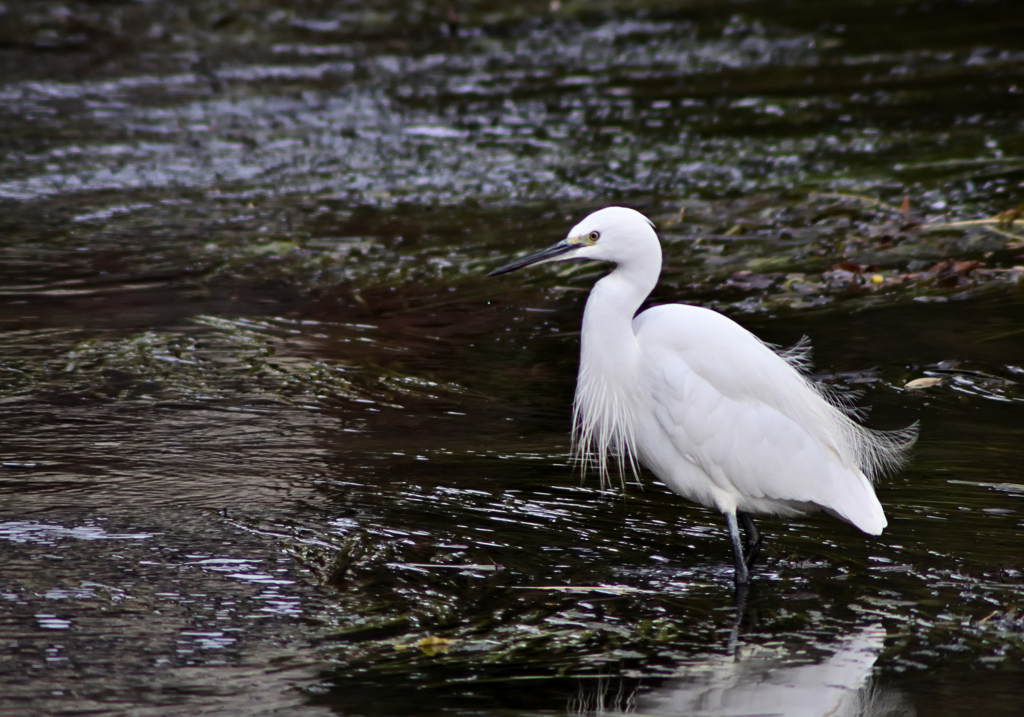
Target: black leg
[753, 535]
[742, 573]
[740, 603]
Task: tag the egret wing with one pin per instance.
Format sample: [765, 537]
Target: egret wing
[737, 410]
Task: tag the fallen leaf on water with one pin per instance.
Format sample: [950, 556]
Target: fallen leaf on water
[951, 266]
[1009, 216]
[918, 383]
[430, 646]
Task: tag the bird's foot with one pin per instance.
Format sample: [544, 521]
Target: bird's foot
[742, 577]
[752, 551]
[753, 539]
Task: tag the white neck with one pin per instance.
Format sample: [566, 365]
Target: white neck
[607, 341]
[603, 414]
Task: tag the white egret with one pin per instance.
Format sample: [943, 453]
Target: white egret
[718, 416]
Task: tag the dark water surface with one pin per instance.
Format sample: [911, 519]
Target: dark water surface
[271, 443]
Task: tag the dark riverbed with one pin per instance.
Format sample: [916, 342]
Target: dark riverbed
[272, 443]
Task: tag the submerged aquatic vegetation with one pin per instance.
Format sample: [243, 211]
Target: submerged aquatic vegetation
[244, 312]
[226, 362]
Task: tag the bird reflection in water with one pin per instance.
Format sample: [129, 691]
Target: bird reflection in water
[759, 681]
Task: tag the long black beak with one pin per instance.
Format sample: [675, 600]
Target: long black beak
[538, 257]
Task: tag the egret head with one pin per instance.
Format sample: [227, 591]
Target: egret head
[614, 234]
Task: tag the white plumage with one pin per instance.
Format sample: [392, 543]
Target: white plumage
[712, 411]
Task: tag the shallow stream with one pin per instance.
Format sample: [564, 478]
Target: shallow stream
[272, 443]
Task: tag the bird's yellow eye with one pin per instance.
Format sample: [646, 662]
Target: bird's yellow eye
[594, 236]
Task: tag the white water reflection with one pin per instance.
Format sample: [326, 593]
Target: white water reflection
[31, 531]
[764, 682]
[510, 119]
